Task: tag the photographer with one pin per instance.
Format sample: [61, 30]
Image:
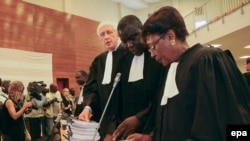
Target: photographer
[37, 112]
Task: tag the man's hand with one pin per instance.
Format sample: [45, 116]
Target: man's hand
[139, 137]
[127, 127]
[85, 115]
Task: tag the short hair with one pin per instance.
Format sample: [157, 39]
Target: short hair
[248, 60]
[53, 88]
[83, 73]
[129, 20]
[164, 19]
[5, 85]
[112, 24]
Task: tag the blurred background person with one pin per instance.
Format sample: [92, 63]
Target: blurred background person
[35, 117]
[81, 77]
[72, 93]
[0, 83]
[44, 92]
[67, 103]
[3, 96]
[247, 73]
[14, 109]
[52, 106]
[4, 91]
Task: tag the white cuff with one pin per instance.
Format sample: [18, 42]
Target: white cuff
[89, 108]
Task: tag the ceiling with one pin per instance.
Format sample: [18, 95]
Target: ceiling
[235, 41]
[136, 4]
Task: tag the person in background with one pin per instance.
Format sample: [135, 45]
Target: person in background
[202, 88]
[4, 91]
[139, 81]
[72, 97]
[67, 103]
[44, 92]
[3, 96]
[247, 74]
[72, 93]
[0, 83]
[14, 109]
[100, 82]
[35, 116]
[53, 106]
[81, 77]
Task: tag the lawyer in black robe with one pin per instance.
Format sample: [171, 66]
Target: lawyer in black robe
[208, 91]
[96, 94]
[139, 81]
[212, 95]
[137, 98]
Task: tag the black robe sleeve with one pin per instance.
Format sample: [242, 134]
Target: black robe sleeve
[222, 96]
[212, 94]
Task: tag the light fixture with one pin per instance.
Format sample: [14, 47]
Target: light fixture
[244, 57]
[248, 46]
[214, 45]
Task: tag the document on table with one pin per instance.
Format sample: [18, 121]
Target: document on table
[84, 131]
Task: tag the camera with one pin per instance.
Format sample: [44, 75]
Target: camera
[36, 88]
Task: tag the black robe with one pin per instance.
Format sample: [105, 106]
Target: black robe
[247, 76]
[136, 97]
[212, 94]
[96, 94]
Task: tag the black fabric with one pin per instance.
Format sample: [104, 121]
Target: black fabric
[3, 118]
[212, 94]
[136, 97]
[35, 128]
[15, 128]
[66, 103]
[247, 76]
[96, 94]
[78, 110]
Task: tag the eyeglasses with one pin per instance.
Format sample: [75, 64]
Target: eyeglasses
[152, 48]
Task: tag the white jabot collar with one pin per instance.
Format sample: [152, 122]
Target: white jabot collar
[109, 65]
[170, 89]
[136, 69]
[108, 68]
[80, 98]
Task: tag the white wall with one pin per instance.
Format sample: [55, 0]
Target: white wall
[102, 10]
[26, 66]
[98, 10]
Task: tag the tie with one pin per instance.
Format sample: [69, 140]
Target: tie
[108, 69]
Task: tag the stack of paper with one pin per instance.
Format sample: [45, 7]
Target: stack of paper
[84, 131]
